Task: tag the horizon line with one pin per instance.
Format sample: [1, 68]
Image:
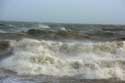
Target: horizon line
[62, 22]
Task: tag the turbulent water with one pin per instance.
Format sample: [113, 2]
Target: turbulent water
[61, 50]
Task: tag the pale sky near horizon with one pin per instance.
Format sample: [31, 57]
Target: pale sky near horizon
[65, 11]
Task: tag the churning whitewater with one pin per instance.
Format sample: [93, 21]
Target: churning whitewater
[85, 59]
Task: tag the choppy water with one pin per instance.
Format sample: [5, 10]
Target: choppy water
[92, 52]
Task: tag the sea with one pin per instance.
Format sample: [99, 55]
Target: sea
[33, 52]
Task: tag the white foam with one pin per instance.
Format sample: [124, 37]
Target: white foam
[99, 60]
[63, 28]
[42, 26]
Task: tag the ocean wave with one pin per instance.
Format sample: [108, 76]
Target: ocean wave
[15, 28]
[89, 60]
[58, 34]
[64, 33]
[42, 26]
[2, 31]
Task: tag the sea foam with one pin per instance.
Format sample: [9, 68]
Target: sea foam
[88, 60]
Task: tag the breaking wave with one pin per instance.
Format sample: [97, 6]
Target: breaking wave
[88, 60]
[13, 28]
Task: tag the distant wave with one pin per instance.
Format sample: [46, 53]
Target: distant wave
[65, 31]
[72, 34]
[2, 31]
[13, 28]
[41, 26]
[89, 60]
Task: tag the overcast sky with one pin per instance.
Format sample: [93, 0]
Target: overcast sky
[66, 11]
